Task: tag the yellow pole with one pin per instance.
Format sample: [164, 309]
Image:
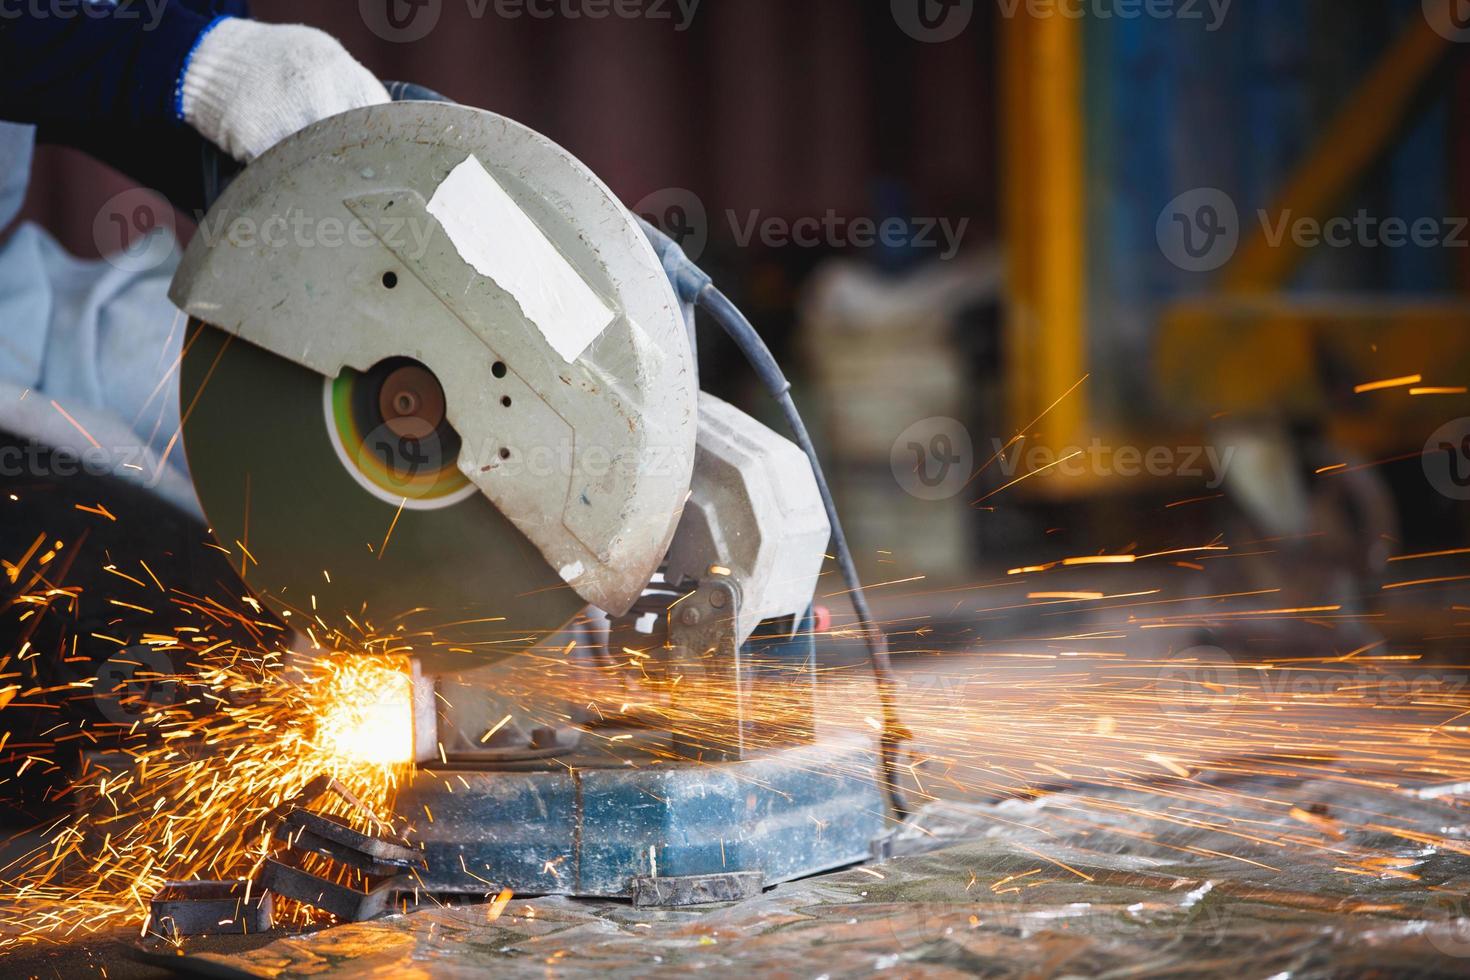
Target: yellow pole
[1045, 220]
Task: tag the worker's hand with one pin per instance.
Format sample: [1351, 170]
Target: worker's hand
[250, 85]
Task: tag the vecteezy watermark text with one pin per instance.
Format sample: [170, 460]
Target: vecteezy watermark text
[681, 214]
[1208, 463]
[407, 21]
[1201, 230]
[835, 231]
[150, 12]
[42, 461]
[297, 229]
[938, 21]
[1211, 13]
[935, 459]
[136, 231]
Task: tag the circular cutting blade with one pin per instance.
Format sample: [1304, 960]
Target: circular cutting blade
[346, 515]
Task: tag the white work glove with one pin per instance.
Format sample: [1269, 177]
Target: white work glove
[250, 85]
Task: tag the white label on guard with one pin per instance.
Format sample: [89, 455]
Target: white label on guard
[501, 242]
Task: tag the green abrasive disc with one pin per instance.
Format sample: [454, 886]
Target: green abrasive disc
[342, 506]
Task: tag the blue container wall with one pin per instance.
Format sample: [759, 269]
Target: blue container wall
[1173, 105]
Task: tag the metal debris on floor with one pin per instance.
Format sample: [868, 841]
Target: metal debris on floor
[1071, 884]
[328, 865]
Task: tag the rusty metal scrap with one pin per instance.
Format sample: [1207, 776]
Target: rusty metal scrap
[346, 902]
[331, 838]
[210, 908]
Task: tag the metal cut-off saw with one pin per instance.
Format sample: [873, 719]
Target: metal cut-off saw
[438, 377]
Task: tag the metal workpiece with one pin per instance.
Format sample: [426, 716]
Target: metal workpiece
[579, 460]
[382, 864]
[346, 902]
[321, 834]
[594, 831]
[696, 889]
[424, 694]
[754, 515]
[209, 908]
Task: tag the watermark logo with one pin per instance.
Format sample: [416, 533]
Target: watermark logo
[406, 21]
[680, 13]
[1211, 13]
[1449, 18]
[134, 231]
[403, 234]
[407, 455]
[1199, 230]
[149, 11]
[40, 460]
[1449, 928]
[933, 459]
[933, 21]
[1363, 230]
[835, 231]
[1097, 458]
[1447, 459]
[680, 214]
[134, 683]
[401, 21]
[1201, 682]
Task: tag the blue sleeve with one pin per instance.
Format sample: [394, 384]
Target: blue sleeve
[105, 76]
[98, 62]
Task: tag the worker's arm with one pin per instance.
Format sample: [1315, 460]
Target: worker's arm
[132, 83]
[67, 66]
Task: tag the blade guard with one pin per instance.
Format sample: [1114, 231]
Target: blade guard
[324, 252]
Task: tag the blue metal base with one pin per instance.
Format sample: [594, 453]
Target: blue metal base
[591, 832]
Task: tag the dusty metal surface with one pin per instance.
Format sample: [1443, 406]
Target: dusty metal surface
[1062, 886]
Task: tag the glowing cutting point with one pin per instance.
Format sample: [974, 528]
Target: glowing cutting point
[366, 711]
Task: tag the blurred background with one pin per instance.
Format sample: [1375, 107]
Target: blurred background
[1055, 278]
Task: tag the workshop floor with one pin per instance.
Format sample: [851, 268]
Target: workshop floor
[1097, 799]
[1016, 890]
[1064, 885]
